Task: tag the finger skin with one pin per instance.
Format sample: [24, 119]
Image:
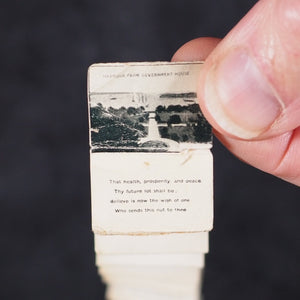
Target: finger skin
[278, 155]
[197, 49]
[270, 35]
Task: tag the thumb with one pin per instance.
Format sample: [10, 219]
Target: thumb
[250, 84]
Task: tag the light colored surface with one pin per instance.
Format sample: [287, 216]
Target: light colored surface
[143, 244]
[173, 260]
[153, 77]
[168, 167]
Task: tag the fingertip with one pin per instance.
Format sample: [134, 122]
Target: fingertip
[248, 88]
[196, 50]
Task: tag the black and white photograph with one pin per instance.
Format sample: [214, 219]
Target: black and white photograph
[139, 122]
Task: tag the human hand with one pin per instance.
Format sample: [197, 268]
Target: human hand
[249, 89]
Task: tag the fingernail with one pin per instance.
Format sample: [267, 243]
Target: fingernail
[242, 101]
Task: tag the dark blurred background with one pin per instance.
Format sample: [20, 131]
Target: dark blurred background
[46, 241]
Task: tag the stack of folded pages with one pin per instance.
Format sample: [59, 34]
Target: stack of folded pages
[151, 179]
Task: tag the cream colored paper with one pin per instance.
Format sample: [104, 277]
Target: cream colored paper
[151, 167]
[151, 244]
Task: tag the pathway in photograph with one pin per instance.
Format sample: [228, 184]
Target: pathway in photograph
[153, 131]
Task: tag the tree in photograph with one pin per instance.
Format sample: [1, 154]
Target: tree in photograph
[158, 119]
[185, 138]
[164, 132]
[160, 109]
[131, 110]
[117, 132]
[140, 127]
[175, 137]
[194, 108]
[174, 119]
[96, 113]
[202, 131]
[141, 119]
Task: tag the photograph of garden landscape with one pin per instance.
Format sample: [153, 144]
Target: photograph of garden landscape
[138, 122]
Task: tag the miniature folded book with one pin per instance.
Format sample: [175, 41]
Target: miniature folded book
[151, 179]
